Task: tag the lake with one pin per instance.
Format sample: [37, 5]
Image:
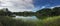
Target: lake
[25, 18]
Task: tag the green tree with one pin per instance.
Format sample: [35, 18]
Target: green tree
[56, 11]
[45, 12]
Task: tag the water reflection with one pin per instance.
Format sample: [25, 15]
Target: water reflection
[30, 18]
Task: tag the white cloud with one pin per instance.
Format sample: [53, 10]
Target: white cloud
[55, 6]
[43, 7]
[17, 5]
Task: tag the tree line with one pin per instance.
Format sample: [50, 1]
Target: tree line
[48, 12]
[45, 12]
[25, 13]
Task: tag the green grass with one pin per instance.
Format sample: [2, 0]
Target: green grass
[50, 21]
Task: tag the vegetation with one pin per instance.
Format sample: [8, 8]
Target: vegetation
[47, 12]
[46, 16]
[8, 21]
[50, 21]
[5, 12]
[25, 13]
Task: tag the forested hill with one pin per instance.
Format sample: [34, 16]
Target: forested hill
[43, 12]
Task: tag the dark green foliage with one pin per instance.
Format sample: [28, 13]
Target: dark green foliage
[53, 23]
[47, 12]
[25, 13]
[8, 21]
[5, 12]
[56, 11]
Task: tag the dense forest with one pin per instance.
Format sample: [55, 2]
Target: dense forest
[48, 12]
[25, 13]
[45, 12]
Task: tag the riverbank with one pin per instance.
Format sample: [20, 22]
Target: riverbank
[49, 21]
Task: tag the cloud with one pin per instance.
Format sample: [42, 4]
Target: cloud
[43, 7]
[46, 6]
[55, 6]
[17, 5]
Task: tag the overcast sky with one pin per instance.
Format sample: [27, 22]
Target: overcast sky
[17, 5]
[28, 5]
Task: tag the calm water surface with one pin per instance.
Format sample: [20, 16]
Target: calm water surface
[30, 18]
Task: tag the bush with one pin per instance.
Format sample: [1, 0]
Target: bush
[8, 21]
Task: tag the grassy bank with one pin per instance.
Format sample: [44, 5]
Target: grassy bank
[49, 21]
[8, 21]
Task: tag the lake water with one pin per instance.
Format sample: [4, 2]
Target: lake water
[29, 18]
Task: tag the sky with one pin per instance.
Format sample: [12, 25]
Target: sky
[28, 5]
[39, 4]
